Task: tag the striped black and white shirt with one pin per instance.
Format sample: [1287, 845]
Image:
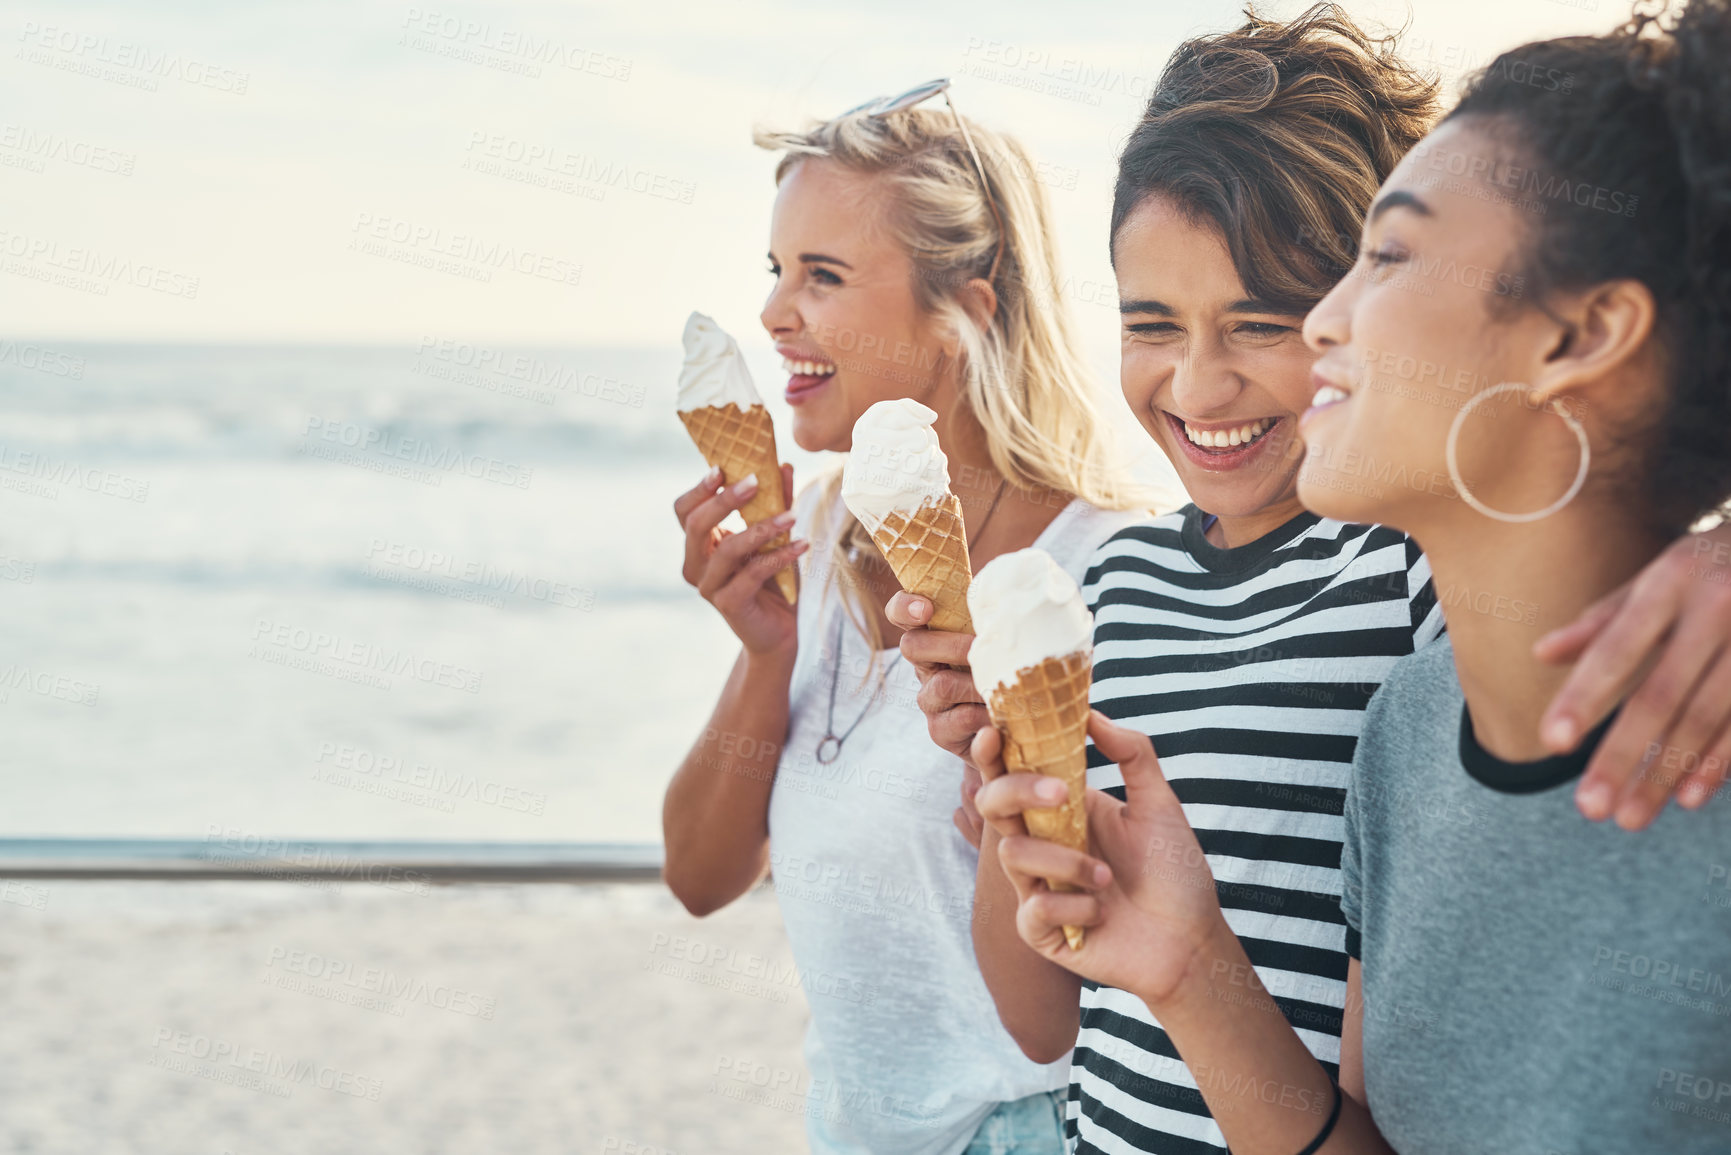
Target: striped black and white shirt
[1250, 669]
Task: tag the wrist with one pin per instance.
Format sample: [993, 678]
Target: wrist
[773, 664]
[1215, 951]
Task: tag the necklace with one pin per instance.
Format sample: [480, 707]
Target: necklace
[829, 748]
[996, 497]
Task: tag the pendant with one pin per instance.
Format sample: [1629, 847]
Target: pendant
[832, 745]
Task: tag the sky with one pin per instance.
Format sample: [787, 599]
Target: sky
[540, 173]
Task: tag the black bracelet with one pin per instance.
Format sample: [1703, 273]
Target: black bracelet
[1328, 1127]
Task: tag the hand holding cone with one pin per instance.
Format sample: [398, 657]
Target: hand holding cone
[1032, 663]
[742, 442]
[725, 417]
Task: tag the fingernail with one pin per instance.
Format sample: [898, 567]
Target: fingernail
[800, 545]
[1051, 790]
[920, 608]
[1692, 796]
[713, 477]
[746, 486]
[1560, 733]
[1594, 801]
[1102, 875]
[782, 520]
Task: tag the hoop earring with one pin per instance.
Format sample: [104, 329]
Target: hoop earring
[1460, 484]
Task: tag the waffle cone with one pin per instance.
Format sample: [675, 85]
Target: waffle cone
[1044, 720]
[928, 550]
[742, 442]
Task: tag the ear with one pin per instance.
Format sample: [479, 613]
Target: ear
[980, 300]
[1608, 328]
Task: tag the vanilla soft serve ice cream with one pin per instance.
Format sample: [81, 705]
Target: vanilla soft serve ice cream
[895, 465]
[714, 373]
[1025, 609]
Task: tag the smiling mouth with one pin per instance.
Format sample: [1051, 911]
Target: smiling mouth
[1328, 395]
[1225, 440]
[807, 368]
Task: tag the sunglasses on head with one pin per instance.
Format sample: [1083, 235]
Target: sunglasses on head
[884, 105]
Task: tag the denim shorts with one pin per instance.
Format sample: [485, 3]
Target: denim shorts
[1031, 1126]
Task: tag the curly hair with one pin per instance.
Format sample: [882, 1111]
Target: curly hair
[1644, 119]
[1279, 133]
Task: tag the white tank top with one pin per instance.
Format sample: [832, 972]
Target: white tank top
[876, 888]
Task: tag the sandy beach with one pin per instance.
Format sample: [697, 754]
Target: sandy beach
[248, 1018]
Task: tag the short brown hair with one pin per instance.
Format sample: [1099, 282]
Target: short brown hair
[1280, 134]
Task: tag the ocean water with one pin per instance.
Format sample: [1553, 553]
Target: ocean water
[424, 591]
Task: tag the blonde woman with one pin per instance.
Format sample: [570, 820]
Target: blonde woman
[913, 257]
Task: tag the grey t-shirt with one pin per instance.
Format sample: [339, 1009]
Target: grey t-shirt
[1533, 982]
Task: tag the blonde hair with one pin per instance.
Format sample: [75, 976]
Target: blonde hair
[1022, 377]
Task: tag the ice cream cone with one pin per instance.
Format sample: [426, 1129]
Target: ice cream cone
[928, 550]
[897, 483]
[1043, 717]
[723, 413]
[741, 440]
[1032, 662]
